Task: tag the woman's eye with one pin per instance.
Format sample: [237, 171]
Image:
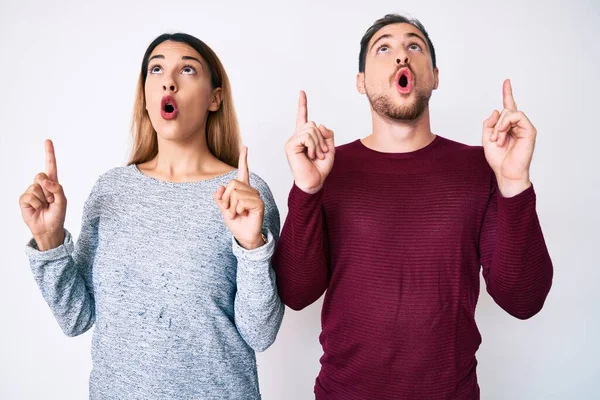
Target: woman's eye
[188, 71]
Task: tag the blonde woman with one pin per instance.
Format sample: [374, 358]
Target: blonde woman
[173, 263]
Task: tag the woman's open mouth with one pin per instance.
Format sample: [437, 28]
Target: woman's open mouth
[168, 108]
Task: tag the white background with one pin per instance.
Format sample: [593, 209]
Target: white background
[68, 71]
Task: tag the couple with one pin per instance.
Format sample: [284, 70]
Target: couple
[180, 266]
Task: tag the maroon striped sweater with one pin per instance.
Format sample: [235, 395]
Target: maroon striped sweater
[397, 240]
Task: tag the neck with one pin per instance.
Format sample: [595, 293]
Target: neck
[392, 136]
[185, 159]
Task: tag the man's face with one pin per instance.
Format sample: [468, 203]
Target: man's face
[399, 76]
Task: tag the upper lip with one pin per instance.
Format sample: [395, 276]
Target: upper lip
[168, 99]
[404, 70]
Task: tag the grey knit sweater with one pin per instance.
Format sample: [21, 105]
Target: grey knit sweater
[178, 306]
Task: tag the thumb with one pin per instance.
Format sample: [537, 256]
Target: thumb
[328, 136]
[492, 120]
[57, 191]
[218, 196]
[488, 127]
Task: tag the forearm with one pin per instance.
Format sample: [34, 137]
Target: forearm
[300, 259]
[258, 308]
[520, 275]
[62, 286]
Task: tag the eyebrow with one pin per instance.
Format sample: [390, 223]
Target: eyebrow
[386, 36]
[406, 35]
[412, 34]
[183, 58]
[191, 58]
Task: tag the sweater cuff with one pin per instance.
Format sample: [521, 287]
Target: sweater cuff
[515, 213]
[519, 202]
[262, 253]
[64, 250]
[299, 199]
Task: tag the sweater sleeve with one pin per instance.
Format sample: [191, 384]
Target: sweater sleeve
[64, 274]
[258, 308]
[516, 265]
[301, 259]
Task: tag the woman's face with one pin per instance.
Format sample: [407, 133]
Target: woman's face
[178, 91]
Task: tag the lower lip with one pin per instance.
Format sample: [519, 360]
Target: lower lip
[404, 90]
[169, 116]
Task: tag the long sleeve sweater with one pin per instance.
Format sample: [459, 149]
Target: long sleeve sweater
[178, 307]
[397, 241]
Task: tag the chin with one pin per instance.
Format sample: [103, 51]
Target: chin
[405, 97]
[169, 132]
[405, 101]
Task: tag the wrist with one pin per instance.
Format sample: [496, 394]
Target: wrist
[309, 190]
[50, 241]
[512, 187]
[253, 243]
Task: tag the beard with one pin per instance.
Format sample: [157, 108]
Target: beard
[385, 106]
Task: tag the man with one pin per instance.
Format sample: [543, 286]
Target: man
[397, 229]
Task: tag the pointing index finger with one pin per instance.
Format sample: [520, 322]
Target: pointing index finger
[507, 96]
[51, 161]
[243, 172]
[302, 116]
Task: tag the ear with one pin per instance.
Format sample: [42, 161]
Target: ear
[216, 99]
[436, 78]
[360, 83]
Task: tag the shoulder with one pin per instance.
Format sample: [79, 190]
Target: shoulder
[348, 149]
[259, 184]
[116, 174]
[112, 178]
[473, 155]
[271, 210]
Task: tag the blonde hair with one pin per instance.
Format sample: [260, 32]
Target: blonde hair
[222, 129]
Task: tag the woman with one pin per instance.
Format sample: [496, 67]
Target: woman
[172, 265]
